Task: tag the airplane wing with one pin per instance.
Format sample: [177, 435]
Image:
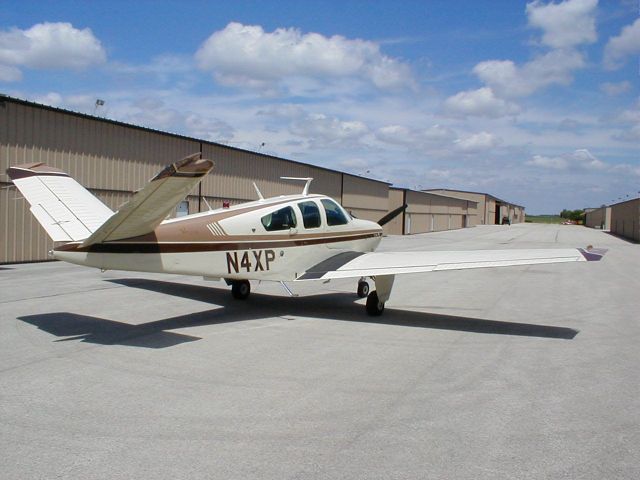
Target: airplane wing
[356, 264]
[151, 205]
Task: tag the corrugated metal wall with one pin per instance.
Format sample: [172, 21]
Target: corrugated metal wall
[487, 206]
[599, 218]
[430, 212]
[365, 198]
[396, 199]
[478, 212]
[625, 219]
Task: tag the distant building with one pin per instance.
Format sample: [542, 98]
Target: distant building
[491, 210]
[625, 219]
[429, 212]
[598, 217]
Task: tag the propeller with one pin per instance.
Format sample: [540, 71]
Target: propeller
[391, 215]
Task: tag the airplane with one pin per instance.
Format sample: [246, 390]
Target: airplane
[288, 238]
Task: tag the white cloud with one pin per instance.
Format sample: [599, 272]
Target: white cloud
[632, 134]
[627, 169]
[481, 102]
[9, 74]
[52, 98]
[585, 159]
[47, 46]
[613, 89]
[246, 55]
[282, 110]
[396, 134]
[507, 79]
[438, 134]
[359, 165]
[479, 142]
[320, 128]
[556, 163]
[414, 138]
[631, 115]
[620, 47]
[581, 159]
[208, 128]
[629, 120]
[566, 24]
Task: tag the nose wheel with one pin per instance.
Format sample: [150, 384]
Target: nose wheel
[240, 289]
[363, 288]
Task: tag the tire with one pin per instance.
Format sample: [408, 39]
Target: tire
[363, 289]
[374, 306]
[240, 289]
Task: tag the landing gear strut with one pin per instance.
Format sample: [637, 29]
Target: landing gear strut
[240, 289]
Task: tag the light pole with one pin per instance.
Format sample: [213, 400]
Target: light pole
[99, 103]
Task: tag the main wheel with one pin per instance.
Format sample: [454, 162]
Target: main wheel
[240, 289]
[374, 306]
[363, 289]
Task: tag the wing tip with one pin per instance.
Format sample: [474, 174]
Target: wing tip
[37, 169]
[591, 254]
[191, 166]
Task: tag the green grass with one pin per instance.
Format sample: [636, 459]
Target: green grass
[543, 219]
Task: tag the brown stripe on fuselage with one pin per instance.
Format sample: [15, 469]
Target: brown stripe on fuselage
[190, 247]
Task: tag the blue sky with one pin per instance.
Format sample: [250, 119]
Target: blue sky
[535, 102]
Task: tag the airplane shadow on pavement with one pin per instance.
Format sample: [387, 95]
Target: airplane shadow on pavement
[334, 306]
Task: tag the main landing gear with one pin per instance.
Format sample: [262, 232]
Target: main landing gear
[240, 289]
[374, 306]
[377, 298]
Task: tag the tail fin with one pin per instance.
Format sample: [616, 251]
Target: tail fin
[64, 208]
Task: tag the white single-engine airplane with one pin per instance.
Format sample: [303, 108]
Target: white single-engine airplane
[289, 238]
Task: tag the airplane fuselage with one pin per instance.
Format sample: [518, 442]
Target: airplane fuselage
[237, 242]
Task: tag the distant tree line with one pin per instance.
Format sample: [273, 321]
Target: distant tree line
[575, 215]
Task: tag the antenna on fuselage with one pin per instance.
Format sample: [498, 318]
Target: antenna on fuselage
[305, 190]
[258, 190]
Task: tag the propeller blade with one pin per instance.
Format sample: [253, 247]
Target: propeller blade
[391, 215]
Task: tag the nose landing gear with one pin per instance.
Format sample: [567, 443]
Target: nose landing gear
[363, 288]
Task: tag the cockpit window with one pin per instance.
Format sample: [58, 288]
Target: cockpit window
[310, 214]
[335, 215]
[282, 219]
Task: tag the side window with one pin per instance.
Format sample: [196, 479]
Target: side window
[282, 219]
[310, 214]
[335, 215]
